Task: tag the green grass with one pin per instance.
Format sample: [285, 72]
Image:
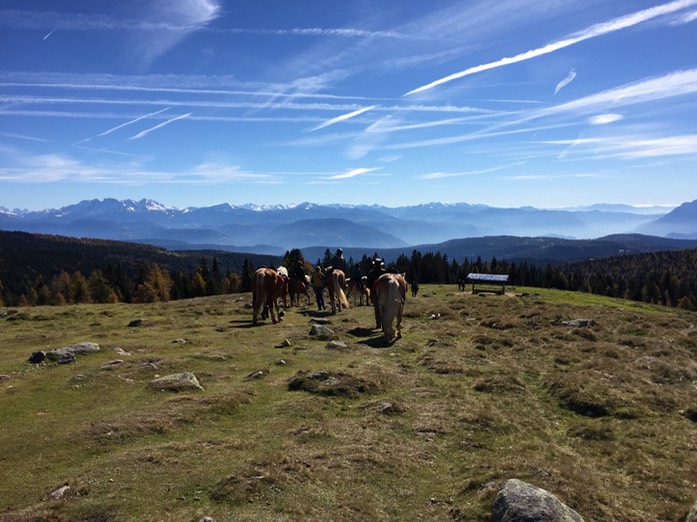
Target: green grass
[495, 388]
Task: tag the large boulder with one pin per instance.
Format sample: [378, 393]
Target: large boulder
[71, 351]
[518, 501]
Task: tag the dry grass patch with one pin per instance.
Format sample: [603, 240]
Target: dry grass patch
[428, 427]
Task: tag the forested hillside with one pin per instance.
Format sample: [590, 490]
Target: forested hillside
[41, 270]
[49, 269]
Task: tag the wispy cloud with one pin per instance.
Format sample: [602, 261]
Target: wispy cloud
[676, 83]
[343, 117]
[51, 168]
[604, 119]
[630, 147]
[354, 172]
[593, 31]
[441, 175]
[144, 133]
[566, 81]
[22, 137]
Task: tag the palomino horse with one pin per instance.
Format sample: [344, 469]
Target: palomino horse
[391, 295]
[268, 286]
[296, 288]
[335, 282]
[359, 291]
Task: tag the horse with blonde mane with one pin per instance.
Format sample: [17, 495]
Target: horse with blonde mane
[335, 282]
[391, 296]
[268, 287]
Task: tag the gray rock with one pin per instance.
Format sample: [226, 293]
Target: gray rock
[207, 519]
[321, 331]
[60, 492]
[692, 515]
[579, 323]
[111, 364]
[71, 351]
[4, 377]
[521, 502]
[179, 341]
[259, 374]
[176, 382]
[67, 359]
[336, 345]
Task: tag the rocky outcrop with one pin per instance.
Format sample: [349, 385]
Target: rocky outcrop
[72, 351]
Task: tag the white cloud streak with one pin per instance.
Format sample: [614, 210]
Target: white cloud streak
[354, 172]
[604, 119]
[144, 133]
[343, 117]
[631, 147]
[593, 31]
[136, 120]
[566, 81]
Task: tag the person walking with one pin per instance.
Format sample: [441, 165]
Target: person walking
[318, 287]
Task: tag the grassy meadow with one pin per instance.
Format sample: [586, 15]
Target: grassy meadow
[480, 389]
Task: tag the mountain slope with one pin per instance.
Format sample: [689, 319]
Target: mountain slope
[283, 227]
[679, 223]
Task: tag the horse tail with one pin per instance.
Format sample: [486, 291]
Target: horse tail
[339, 290]
[392, 300]
[258, 294]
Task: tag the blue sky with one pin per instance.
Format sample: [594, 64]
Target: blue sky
[395, 102]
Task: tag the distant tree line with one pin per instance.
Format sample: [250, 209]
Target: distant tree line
[666, 278]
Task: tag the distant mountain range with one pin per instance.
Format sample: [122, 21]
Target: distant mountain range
[359, 228]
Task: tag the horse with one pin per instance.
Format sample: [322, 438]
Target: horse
[297, 287]
[268, 286]
[360, 290]
[335, 285]
[391, 295]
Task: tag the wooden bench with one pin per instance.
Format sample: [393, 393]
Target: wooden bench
[488, 279]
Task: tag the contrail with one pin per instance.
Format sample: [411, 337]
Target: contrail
[343, 117]
[159, 126]
[599, 29]
[49, 34]
[132, 122]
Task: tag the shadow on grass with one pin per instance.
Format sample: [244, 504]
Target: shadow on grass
[377, 342]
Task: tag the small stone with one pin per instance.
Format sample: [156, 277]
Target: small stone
[60, 492]
[121, 351]
[179, 341]
[336, 345]
[111, 364]
[259, 374]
